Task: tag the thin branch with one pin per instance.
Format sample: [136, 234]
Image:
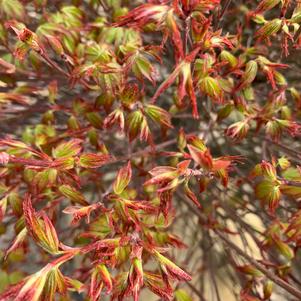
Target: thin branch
[272, 276]
[285, 148]
[196, 292]
[222, 13]
[224, 10]
[213, 277]
[147, 151]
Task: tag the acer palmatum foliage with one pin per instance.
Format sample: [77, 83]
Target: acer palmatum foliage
[130, 129]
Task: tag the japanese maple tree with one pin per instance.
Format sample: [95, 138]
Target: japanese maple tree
[150, 148]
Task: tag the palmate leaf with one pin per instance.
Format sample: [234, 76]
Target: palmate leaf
[125, 122]
[185, 86]
[41, 229]
[159, 115]
[67, 149]
[12, 9]
[291, 190]
[142, 67]
[18, 241]
[100, 278]
[41, 285]
[72, 194]
[269, 192]
[123, 178]
[170, 268]
[210, 86]
[93, 160]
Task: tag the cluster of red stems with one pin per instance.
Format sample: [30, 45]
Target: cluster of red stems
[93, 94]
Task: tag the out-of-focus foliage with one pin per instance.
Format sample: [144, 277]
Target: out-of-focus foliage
[130, 129]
